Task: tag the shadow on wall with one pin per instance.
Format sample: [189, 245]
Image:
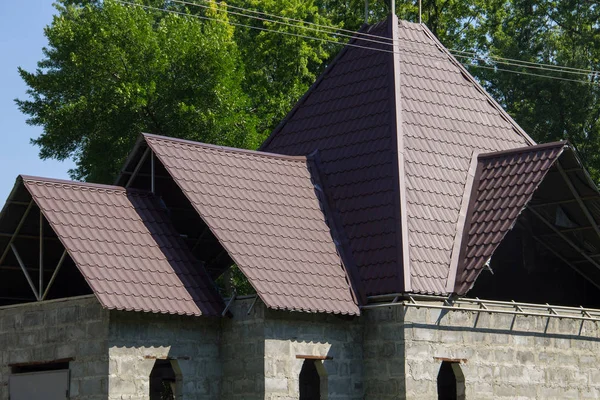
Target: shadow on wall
[148, 350]
[486, 322]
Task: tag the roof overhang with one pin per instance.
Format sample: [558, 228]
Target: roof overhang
[546, 186]
[263, 210]
[117, 243]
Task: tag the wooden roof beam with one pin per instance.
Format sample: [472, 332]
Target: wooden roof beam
[566, 239]
[584, 208]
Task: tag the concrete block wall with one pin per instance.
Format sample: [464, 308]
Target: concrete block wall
[137, 340]
[74, 328]
[504, 356]
[288, 335]
[242, 351]
[384, 353]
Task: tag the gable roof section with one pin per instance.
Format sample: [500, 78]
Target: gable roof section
[125, 247]
[264, 211]
[503, 185]
[396, 132]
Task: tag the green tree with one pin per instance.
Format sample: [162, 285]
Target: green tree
[281, 64]
[112, 71]
[563, 33]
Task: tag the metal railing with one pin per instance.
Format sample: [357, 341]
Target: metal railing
[490, 306]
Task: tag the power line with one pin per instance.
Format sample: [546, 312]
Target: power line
[586, 71]
[532, 74]
[250, 26]
[280, 22]
[388, 41]
[336, 30]
[541, 67]
[338, 43]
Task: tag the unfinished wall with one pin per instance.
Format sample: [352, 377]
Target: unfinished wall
[292, 334]
[137, 340]
[74, 328]
[504, 356]
[242, 352]
[384, 355]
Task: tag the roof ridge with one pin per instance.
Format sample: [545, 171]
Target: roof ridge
[86, 185]
[226, 148]
[524, 149]
[57, 181]
[403, 257]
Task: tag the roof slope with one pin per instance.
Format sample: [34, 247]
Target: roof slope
[445, 118]
[503, 185]
[264, 211]
[349, 117]
[396, 132]
[125, 247]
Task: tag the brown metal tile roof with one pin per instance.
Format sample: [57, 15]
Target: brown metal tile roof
[446, 117]
[264, 211]
[503, 185]
[348, 116]
[125, 247]
[396, 133]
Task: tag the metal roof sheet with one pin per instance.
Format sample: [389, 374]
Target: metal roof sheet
[397, 131]
[348, 116]
[503, 185]
[264, 210]
[125, 247]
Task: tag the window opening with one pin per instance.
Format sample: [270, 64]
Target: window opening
[162, 381]
[39, 381]
[310, 381]
[40, 367]
[450, 382]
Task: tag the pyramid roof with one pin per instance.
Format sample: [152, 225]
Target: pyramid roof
[396, 121]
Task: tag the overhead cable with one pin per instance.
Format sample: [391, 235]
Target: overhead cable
[392, 51]
[386, 41]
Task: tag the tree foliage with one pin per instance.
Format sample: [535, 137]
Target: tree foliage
[563, 33]
[211, 74]
[111, 72]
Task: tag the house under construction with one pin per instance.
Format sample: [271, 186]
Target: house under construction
[405, 239]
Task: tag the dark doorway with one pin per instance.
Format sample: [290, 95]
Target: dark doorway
[450, 382]
[310, 381]
[446, 382]
[162, 381]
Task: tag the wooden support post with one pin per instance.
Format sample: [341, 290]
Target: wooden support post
[569, 263]
[152, 172]
[566, 239]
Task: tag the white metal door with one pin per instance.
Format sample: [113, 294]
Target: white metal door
[45, 385]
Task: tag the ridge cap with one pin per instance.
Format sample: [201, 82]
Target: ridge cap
[523, 149]
[56, 181]
[400, 206]
[226, 149]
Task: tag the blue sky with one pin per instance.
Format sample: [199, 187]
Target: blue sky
[21, 41]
